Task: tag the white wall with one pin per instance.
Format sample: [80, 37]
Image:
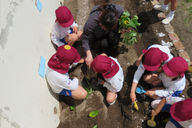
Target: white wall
[25, 101]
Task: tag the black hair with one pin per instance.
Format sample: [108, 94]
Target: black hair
[109, 16]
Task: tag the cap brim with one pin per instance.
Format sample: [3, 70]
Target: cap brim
[151, 68]
[168, 72]
[69, 23]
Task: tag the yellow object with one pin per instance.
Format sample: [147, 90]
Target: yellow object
[151, 122]
[67, 47]
[136, 106]
[190, 68]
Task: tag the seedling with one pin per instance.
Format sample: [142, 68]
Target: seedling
[72, 108]
[128, 28]
[94, 113]
[95, 126]
[89, 91]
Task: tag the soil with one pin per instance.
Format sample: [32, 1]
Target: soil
[183, 25]
[121, 114]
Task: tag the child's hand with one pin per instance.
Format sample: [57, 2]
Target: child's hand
[75, 29]
[82, 60]
[154, 113]
[133, 96]
[150, 93]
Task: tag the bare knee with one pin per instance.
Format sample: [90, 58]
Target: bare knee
[83, 94]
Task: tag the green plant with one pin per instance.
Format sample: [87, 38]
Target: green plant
[95, 126]
[72, 108]
[94, 113]
[128, 27]
[89, 91]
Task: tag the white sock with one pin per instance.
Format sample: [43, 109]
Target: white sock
[165, 7]
[171, 14]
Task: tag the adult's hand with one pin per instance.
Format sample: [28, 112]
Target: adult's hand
[89, 58]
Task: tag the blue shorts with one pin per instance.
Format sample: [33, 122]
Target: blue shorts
[167, 107]
[66, 92]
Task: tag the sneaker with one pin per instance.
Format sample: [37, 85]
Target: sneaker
[167, 20]
[160, 8]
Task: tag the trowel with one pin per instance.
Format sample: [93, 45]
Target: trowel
[151, 122]
[140, 90]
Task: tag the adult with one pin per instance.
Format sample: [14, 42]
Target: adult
[101, 30]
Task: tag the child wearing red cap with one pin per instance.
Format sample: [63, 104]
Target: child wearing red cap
[65, 30]
[57, 73]
[151, 60]
[173, 79]
[112, 72]
[180, 111]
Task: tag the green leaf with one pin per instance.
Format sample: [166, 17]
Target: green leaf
[94, 113]
[95, 126]
[72, 108]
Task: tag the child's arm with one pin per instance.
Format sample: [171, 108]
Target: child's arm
[159, 107]
[138, 61]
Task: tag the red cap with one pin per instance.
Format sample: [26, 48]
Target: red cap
[153, 58]
[105, 65]
[182, 111]
[64, 16]
[175, 67]
[62, 59]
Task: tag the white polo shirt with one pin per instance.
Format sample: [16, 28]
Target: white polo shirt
[170, 86]
[140, 70]
[115, 83]
[59, 81]
[59, 32]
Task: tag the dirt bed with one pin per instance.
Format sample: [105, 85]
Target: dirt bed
[121, 114]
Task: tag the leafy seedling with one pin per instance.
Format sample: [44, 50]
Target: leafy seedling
[93, 113]
[72, 108]
[95, 126]
[130, 25]
[89, 91]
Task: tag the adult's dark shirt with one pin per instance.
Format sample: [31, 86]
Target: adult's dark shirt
[92, 30]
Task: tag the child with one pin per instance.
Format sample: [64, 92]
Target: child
[150, 61]
[165, 7]
[65, 29]
[57, 73]
[112, 72]
[180, 111]
[173, 79]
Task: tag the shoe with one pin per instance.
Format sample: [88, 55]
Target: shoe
[160, 8]
[113, 101]
[167, 20]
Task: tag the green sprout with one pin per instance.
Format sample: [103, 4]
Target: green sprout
[72, 108]
[95, 126]
[89, 91]
[130, 26]
[94, 113]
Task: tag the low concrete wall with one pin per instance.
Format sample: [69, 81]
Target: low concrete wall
[25, 100]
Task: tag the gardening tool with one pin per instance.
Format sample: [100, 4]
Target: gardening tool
[151, 122]
[140, 90]
[136, 106]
